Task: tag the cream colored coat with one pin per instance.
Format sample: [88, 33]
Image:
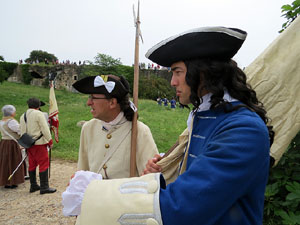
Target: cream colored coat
[170, 165]
[36, 124]
[111, 149]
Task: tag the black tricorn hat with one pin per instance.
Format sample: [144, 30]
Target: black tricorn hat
[205, 42]
[109, 85]
[42, 103]
[35, 103]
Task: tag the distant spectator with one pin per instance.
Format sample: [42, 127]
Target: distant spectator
[159, 100]
[166, 101]
[173, 103]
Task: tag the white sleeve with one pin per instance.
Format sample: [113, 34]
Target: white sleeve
[14, 126]
[72, 197]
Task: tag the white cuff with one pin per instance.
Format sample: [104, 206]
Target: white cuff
[72, 197]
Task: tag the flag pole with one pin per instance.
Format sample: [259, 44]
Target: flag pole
[135, 96]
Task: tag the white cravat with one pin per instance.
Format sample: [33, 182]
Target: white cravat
[118, 120]
[205, 105]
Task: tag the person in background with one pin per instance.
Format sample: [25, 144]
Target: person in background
[159, 100]
[37, 127]
[166, 102]
[10, 152]
[173, 103]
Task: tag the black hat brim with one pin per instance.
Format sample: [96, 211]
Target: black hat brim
[207, 42]
[86, 86]
[42, 103]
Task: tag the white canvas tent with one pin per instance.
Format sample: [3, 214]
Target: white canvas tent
[275, 76]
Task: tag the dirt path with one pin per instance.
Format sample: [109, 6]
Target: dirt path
[19, 207]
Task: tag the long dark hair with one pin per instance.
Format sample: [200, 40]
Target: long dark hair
[125, 107]
[216, 76]
[123, 100]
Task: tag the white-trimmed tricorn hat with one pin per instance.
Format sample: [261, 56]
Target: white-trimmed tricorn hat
[205, 42]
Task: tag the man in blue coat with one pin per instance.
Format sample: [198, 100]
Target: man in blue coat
[225, 165]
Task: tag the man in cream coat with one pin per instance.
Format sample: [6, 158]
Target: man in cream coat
[36, 126]
[105, 141]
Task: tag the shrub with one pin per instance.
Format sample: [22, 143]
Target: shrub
[26, 74]
[282, 196]
[8, 67]
[152, 87]
[3, 75]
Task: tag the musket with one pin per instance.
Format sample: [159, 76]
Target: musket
[17, 167]
[135, 94]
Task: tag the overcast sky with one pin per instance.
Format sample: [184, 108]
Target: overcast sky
[79, 29]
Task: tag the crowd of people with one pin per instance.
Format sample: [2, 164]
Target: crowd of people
[54, 62]
[165, 102]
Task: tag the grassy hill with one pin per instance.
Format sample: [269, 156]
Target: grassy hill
[165, 124]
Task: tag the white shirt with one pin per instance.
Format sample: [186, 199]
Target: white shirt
[205, 105]
[14, 126]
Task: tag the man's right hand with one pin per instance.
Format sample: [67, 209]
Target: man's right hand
[50, 144]
[71, 178]
[151, 166]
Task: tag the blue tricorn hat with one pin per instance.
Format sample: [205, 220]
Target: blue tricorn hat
[205, 42]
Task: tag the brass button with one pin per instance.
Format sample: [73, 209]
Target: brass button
[104, 166]
[106, 145]
[108, 136]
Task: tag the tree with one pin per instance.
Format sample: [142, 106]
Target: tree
[41, 56]
[106, 60]
[1, 58]
[290, 12]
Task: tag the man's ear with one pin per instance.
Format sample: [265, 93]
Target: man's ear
[113, 103]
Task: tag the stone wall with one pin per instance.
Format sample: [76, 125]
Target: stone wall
[66, 75]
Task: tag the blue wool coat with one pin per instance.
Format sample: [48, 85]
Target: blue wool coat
[226, 174]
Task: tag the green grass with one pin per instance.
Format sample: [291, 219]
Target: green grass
[165, 124]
